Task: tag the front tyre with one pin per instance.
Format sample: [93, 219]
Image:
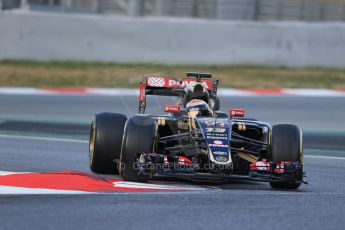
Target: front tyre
[105, 142]
[287, 145]
[139, 137]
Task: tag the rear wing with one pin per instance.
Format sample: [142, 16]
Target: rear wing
[168, 86]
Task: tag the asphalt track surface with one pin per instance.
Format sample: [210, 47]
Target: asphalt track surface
[245, 205]
[311, 113]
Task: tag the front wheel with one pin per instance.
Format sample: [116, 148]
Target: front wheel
[105, 142]
[287, 145]
[139, 137]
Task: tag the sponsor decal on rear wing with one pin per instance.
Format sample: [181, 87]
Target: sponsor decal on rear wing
[172, 83]
[168, 86]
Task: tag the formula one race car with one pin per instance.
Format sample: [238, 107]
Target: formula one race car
[195, 141]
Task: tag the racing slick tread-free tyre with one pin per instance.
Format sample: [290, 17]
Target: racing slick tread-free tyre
[139, 137]
[286, 145]
[105, 142]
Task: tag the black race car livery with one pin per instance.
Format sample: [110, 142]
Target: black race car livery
[201, 143]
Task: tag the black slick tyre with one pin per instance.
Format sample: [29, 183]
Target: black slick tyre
[139, 137]
[286, 145]
[105, 142]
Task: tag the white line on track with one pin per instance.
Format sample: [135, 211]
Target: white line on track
[126, 184]
[325, 157]
[10, 190]
[43, 138]
[5, 173]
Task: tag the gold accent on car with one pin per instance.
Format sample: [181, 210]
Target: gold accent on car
[248, 157]
[181, 124]
[193, 123]
[161, 121]
[241, 126]
[301, 146]
[92, 142]
[244, 126]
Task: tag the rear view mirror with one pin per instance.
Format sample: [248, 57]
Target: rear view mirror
[236, 113]
[172, 108]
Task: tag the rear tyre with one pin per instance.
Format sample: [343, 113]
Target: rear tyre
[286, 145]
[105, 142]
[139, 137]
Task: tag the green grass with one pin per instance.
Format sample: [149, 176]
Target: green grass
[79, 74]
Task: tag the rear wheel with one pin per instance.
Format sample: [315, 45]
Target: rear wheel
[139, 137]
[105, 142]
[286, 145]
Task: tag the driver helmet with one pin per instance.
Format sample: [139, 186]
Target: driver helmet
[197, 107]
[196, 90]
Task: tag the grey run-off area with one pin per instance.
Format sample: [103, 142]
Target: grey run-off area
[310, 113]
